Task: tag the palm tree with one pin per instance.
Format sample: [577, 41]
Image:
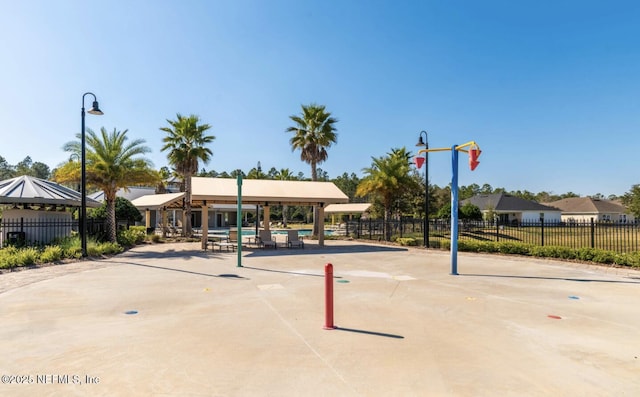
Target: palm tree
[387, 179]
[111, 163]
[314, 132]
[186, 144]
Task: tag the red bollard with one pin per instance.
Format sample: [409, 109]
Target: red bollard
[328, 296]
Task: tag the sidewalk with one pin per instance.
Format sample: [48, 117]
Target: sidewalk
[172, 320]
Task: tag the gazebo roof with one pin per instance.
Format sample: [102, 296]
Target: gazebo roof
[218, 192]
[30, 190]
[263, 191]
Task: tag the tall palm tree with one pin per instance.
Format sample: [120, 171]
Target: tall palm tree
[186, 144]
[314, 132]
[111, 163]
[387, 179]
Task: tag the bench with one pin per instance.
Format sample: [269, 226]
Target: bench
[226, 245]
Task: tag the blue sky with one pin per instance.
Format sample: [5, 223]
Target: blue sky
[548, 89]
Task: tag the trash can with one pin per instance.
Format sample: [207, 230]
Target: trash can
[16, 238]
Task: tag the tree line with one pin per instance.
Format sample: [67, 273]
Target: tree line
[390, 183]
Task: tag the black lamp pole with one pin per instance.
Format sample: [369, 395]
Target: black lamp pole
[95, 109]
[425, 143]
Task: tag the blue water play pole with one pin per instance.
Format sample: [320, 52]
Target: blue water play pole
[239, 218]
[454, 211]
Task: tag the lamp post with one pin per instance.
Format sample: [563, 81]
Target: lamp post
[425, 143]
[95, 109]
[259, 171]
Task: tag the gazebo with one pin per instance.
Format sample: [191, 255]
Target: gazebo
[38, 209]
[264, 192]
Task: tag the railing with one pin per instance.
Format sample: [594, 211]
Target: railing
[617, 237]
[38, 232]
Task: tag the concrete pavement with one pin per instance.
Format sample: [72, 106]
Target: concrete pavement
[171, 320]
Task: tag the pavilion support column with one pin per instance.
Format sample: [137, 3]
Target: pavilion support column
[163, 215]
[320, 221]
[147, 218]
[266, 215]
[205, 224]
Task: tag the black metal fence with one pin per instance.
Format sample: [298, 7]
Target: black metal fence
[38, 232]
[611, 236]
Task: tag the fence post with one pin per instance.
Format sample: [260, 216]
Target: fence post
[593, 234]
[542, 232]
[497, 230]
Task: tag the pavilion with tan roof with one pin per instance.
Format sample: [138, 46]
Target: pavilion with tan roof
[208, 191]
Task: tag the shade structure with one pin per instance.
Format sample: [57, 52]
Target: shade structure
[31, 190]
[351, 208]
[159, 201]
[262, 191]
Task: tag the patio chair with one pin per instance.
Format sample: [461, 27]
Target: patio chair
[265, 239]
[293, 240]
[229, 241]
[175, 232]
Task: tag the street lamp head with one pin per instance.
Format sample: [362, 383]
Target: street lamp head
[95, 109]
[420, 141]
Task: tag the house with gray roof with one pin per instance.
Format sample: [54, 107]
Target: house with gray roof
[511, 209]
[583, 209]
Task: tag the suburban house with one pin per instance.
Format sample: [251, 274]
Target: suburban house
[510, 209]
[583, 209]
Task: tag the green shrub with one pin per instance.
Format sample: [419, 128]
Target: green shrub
[132, 236]
[553, 252]
[604, 257]
[28, 256]
[9, 257]
[515, 248]
[585, 254]
[155, 238]
[626, 260]
[51, 253]
[478, 246]
[109, 248]
[70, 247]
[407, 241]
[582, 254]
